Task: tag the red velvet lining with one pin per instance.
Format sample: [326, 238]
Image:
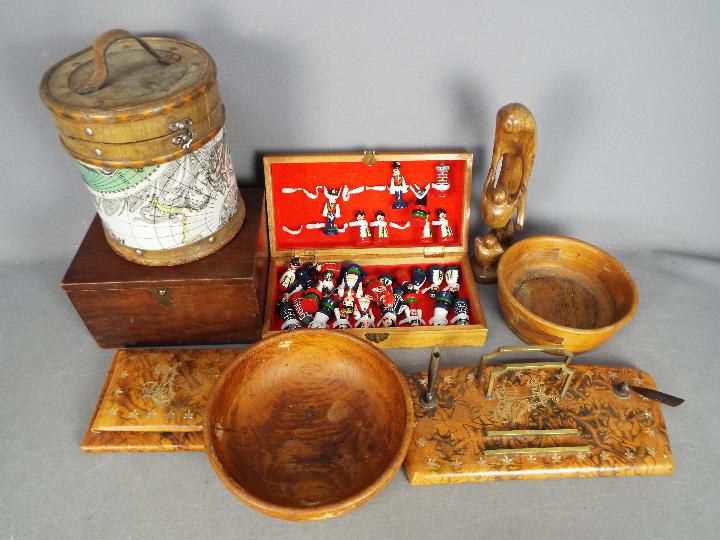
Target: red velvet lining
[296, 209]
[425, 303]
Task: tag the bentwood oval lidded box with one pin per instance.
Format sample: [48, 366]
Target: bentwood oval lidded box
[144, 121]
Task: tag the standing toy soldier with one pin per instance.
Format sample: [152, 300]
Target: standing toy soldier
[382, 227]
[363, 227]
[331, 211]
[413, 315]
[398, 186]
[443, 224]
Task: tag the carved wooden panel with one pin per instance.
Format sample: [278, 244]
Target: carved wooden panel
[154, 400]
[527, 430]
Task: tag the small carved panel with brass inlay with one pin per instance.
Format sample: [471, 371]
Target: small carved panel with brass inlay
[535, 423]
[160, 390]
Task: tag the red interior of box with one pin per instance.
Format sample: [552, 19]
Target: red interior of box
[425, 303]
[296, 210]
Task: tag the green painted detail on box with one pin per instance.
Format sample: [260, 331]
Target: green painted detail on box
[113, 180]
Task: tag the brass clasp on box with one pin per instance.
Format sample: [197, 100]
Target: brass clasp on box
[184, 139]
[377, 337]
[369, 158]
[562, 365]
[162, 295]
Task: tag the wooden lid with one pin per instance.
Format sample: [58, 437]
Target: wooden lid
[129, 101]
[290, 177]
[137, 84]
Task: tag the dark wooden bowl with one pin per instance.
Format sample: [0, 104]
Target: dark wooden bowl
[308, 424]
[557, 290]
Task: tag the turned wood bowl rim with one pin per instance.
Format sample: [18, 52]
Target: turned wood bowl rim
[563, 241]
[297, 513]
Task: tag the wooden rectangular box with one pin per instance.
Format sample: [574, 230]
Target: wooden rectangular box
[295, 198]
[218, 299]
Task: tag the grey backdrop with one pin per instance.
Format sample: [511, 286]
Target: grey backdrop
[627, 101]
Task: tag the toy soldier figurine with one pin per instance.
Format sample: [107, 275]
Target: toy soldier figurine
[386, 279]
[382, 227]
[285, 309]
[379, 292]
[413, 312]
[324, 312]
[443, 305]
[436, 279]
[328, 277]
[462, 316]
[295, 300]
[441, 186]
[288, 277]
[342, 320]
[388, 310]
[421, 225]
[420, 195]
[303, 280]
[310, 304]
[351, 279]
[347, 305]
[452, 278]
[418, 277]
[388, 317]
[442, 223]
[363, 315]
[331, 211]
[398, 186]
[363, 227]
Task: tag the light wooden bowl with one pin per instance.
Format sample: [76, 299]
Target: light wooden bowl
[555, 290]
[308, 424]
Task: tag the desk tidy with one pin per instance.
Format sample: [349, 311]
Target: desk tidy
[504, 194]
[533, 420]
[144, 121]
[373, 244]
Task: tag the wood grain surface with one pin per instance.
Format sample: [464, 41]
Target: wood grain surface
[217, 299]
[607, 436]
[555, 290]
[309, 424]
[160, 390]
[176, 438]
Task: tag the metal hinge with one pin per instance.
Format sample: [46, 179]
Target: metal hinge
[434, 251]
[304, 253]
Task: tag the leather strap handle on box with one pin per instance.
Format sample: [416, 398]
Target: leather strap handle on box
[562, 365]
[99, 77]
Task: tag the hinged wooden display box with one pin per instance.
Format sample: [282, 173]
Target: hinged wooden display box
[218, 299]
[402, 214]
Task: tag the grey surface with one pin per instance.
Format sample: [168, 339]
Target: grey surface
[627, 103]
